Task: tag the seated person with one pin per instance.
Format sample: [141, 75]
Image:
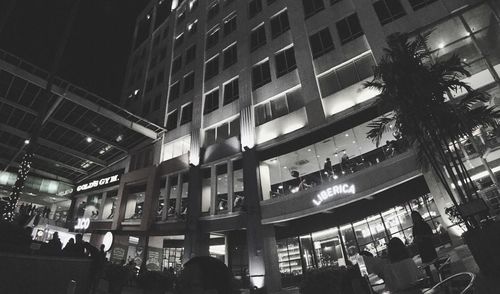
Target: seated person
[401, 273]
[205, 274]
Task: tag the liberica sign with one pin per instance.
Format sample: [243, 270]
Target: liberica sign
[341, 189]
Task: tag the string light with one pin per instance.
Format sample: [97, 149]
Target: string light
[8, 214]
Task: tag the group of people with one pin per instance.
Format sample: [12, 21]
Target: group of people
[399, 271]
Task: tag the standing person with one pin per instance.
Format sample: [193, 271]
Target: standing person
[328, 167]
[205, 274]
[422, 237]
[79, 246]
[55, 245]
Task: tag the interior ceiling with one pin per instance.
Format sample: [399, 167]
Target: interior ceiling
[64, 151]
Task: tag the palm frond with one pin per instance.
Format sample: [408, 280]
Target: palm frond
[378, 127]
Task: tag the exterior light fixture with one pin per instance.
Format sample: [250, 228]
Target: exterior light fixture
[88, 139]
[119, 138]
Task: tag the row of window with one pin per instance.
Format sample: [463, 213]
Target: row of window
[222, 132]
[175, 88]
[279, 106]
[284, 61]
[387, 10]
[173, 117]
[230, 57]
[229, 25]
[231, 93]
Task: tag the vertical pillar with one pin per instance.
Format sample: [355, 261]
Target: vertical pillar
[103, 201]
[178, 200]
[261, 240]
[213, 189]
[150, 199]
[196, 243]
[230, 186]
[53, 209]
[443, 201]
[166, 197]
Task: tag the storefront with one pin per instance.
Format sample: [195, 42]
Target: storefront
[94, 201]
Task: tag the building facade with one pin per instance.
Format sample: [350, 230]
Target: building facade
[266, 163]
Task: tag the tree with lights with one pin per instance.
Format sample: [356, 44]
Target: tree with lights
[22, 174]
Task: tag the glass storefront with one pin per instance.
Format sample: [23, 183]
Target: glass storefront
[172, 201]
[326, 161]
[225, 181]
[96, 206]
[135, 204]
[340, 245]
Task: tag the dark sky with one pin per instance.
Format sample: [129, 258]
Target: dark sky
[97, 50]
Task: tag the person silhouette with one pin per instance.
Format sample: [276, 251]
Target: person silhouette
[205, 274]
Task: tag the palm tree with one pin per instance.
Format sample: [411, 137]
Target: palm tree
[418, 90]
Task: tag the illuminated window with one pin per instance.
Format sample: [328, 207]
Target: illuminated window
[178, 41]
[279, 106]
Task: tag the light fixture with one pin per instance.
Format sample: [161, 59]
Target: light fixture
[441, 45]
[309, 149]
[26, 142]
[119, 138]
[88, 139]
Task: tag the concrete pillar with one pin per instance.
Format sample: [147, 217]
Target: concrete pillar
[53, 209]
[443, 201]
[196, 243]
[261, 241]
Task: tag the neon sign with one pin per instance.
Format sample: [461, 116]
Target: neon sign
[101, 182]
[330, 192]
[82, 224]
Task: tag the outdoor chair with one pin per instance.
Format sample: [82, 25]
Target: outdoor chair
[462, 283]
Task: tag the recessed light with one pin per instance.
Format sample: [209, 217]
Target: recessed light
[88, 139]
[26, 142]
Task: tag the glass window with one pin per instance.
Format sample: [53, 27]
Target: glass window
[178, 41]
[212, 38]
[108, 210]
[212, 68]
[211, 101]
[187, 113]
[206, 191]
[231, 91]
[254, 7]
[349, 28]
[279, 24]
[221, 199]
[238, 187]
[328, 248]
[190, 54]
[230, 56]
[388, 10]
[480, 17]
[173, 195]
[230, 25]
[321, 42]
[213, 11]
[261, 75]
[257, 38]
[177, 64]
[285, 61]
[289, 256]
[312, 7]
[188, 82]
[417, 4]
[172, 120]
[135, 204]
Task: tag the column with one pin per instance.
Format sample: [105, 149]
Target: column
[178, 200]
[166, 198]
[443, 201]
[53, 209]
[101, 207]
[196, 243]
[230, 186]
[261, 241]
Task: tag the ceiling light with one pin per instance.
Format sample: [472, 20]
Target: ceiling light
[88, 139]
[119, 138]
[347, 135]
[309, 149]
[441, 45]
[26, 142]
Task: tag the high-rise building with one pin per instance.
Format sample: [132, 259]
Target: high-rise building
[266, 163]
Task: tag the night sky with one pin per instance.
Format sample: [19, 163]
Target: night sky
[97, 50]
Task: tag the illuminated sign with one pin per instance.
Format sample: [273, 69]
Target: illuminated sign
[341, 189]
[107, 241]
[103, 181]
[82, 224]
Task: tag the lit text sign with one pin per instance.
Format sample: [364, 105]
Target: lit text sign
[103, 181]
[82, 224]
[341, 189]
